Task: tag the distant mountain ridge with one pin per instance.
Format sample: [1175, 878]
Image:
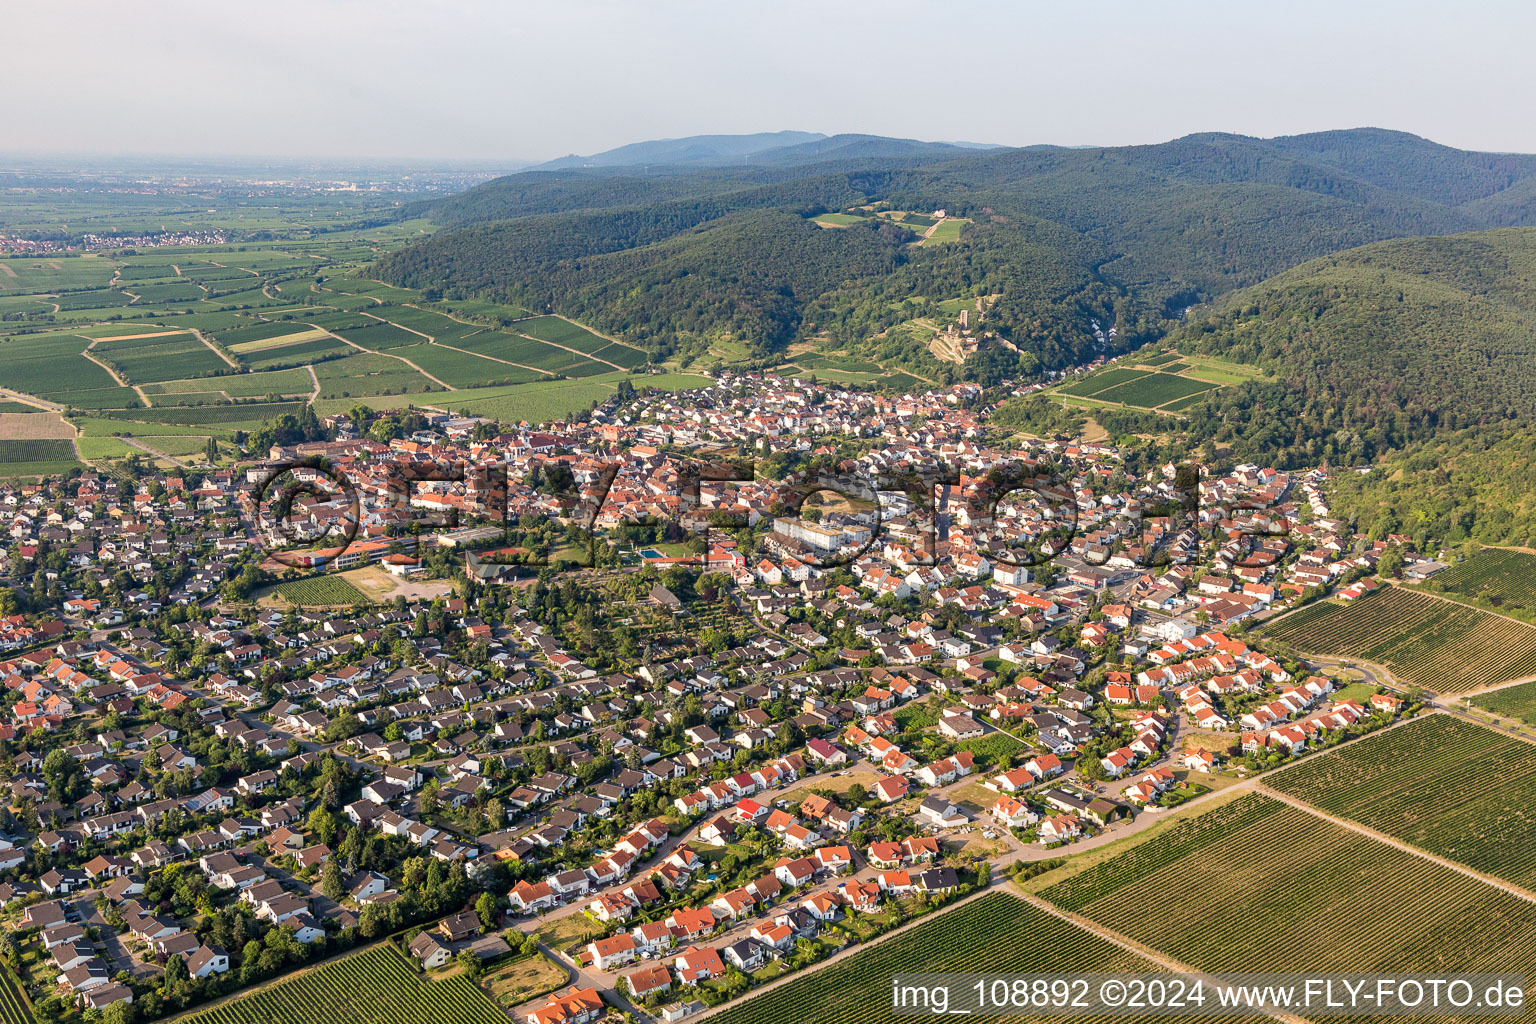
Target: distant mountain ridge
[680, 258]
[784, 148]
[692, 149]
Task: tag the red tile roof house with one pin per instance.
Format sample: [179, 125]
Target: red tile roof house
[616, 949]
[648, 980]
[827, 753]
[696, 965]
[577, 1006]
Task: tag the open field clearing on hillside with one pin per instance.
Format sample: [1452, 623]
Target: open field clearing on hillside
[320, 591]
[948, 230]
[995, 933]
[1165, 381]
[20, 426]
[1256, 885]
[1101, 381]
[1153, 390]
[1458, 790]
[376, 986]
[1441, 646]
[1497, 579]
[838, 220]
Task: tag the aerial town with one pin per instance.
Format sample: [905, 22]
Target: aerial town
[674, 729]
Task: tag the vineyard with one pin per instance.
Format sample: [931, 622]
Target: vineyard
[1443, 784]
[1512, 702]
[1153, 390]
[321, 590]
[376, 986]
[994, 933]
[1257, 886]
[1427, 641]
[13, 1009]
[1497, 579]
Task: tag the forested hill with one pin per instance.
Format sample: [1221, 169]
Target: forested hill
[677, 257]
[1375, 349]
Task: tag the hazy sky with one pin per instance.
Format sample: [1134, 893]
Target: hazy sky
[482, 79]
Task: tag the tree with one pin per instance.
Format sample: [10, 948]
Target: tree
[323, 824]
[330, 880]
[486, 908]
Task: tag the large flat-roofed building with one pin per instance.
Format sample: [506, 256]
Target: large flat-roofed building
[822, 537]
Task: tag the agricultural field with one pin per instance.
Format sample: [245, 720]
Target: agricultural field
[320, 591]
[1442, 646]
[244, 416]
[376, 986]
[360, 375]
[948, 230]
[95, 448]
[36, 456]
[1517, 702]
[13, 1009]
[240, 385]
[33, 423]
[997, 932]
[1093, 383]
[1495, 579]
[151, 359]
[1163, 381]
[460, 369]
[561, 332]
[1153, 390]
[838, 220]
[113, 337]
[1256, 885]
[1456, 789]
